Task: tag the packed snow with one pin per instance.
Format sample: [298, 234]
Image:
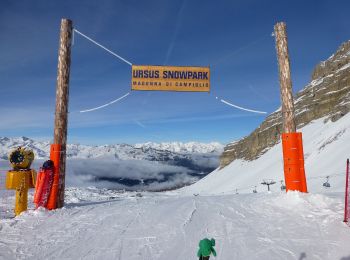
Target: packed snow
[109, 224]
[102, 224]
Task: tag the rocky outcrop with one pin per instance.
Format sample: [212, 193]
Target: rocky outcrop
[327, 95]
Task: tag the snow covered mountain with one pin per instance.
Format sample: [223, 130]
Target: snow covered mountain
[148, 166]
[326, 96]
[179, 147]
[326, 148]
[142, 151]
[40, 149]
[322, 115]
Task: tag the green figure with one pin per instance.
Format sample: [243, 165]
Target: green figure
[206, 247]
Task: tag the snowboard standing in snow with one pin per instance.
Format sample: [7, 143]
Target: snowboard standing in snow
[44, 184]
[206, 248]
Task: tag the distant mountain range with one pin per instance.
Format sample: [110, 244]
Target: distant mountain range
[122, 166]
[143, 151]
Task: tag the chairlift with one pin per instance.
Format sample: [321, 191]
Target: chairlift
[268, 182]
[283, 187]
[326, 184]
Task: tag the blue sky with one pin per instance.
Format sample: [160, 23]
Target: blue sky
[232, 37]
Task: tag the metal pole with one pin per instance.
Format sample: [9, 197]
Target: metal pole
[285, 78]
[62, 94]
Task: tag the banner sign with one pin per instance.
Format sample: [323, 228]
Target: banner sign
[170, 78]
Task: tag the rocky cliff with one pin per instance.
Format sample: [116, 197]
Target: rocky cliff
[327, 95]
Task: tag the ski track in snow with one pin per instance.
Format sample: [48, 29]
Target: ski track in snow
[169, 226]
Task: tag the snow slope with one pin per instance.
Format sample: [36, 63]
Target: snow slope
[168, 226]
[106, 224]
[326, 148]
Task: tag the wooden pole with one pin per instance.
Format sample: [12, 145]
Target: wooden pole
[293, 153]
[62, 94]
[285, 78]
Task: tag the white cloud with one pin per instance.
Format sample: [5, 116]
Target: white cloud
[101, 172]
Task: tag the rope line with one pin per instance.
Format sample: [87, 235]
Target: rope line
[241, 108]
[129, 63]
[105, 105]
[103, 47]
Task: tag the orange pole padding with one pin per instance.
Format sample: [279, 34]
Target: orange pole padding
[55, 154]
[293, 158]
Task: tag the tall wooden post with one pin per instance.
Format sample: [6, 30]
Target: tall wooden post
[62, 94]
[285, 78]
[293, 154]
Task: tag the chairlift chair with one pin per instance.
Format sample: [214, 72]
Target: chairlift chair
[268, 182]
[327, 184]
[283, 187]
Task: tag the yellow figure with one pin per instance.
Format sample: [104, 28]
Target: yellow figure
[21, 178]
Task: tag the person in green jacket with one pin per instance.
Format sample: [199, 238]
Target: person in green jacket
[206, 247]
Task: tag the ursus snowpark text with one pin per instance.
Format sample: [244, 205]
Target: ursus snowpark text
[170, 78]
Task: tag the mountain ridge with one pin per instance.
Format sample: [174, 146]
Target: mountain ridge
[122, 151]
[148, 166]
[326, 96]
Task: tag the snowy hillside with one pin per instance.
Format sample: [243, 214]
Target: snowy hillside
[326, 148]
[327, 95]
